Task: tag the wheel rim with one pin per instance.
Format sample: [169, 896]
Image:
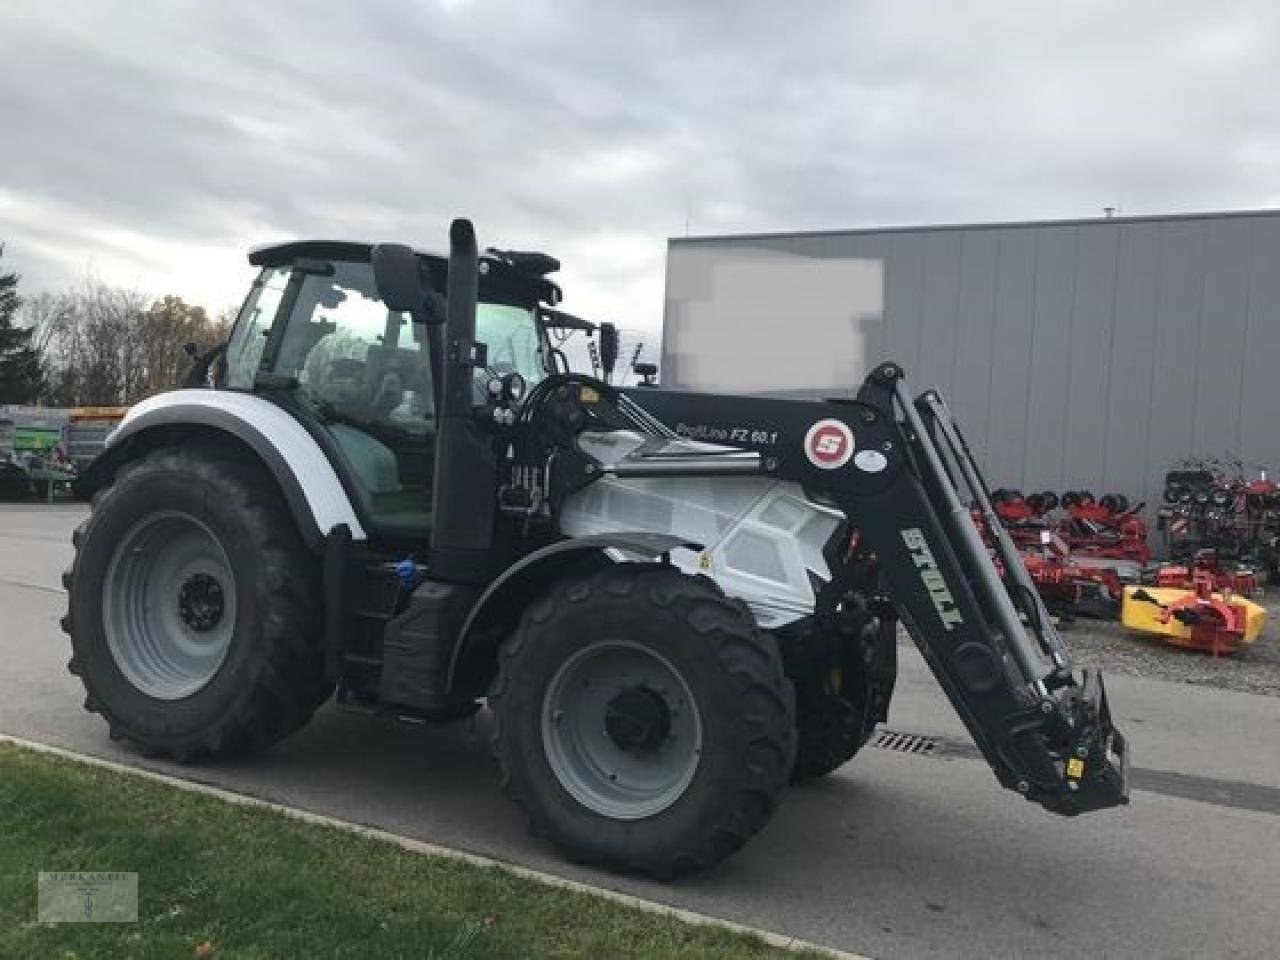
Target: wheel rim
[621, 730]
[169, 605]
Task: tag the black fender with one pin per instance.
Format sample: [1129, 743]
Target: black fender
[506, 597]
[316, 501]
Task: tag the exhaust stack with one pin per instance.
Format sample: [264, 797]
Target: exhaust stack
[464, 498]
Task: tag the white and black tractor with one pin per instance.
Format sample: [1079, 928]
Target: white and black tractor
[388, 487]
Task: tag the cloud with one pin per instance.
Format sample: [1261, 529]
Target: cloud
[158, 142]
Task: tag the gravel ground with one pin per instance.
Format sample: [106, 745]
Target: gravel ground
[1108, 646]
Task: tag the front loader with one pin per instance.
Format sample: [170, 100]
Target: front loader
[387, 487]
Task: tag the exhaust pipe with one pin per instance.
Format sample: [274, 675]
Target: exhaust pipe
[460, 319]
[464, 500]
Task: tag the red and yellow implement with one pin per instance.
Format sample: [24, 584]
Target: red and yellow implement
[1199, 618]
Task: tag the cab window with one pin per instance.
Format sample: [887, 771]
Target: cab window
[363, 372]
[244, 351]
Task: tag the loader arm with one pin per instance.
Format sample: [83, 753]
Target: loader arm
[899, 469]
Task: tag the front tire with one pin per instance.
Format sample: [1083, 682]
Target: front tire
[838, 705]
[642, 720]
[192, 607]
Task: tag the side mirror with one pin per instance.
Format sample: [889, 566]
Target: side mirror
[398, 277]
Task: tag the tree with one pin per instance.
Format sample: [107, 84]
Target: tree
[21, 375]
[96, 346]
[106, 345]
[46, 315]
[163, 330]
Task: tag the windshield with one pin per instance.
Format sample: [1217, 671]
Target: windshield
[512, 336]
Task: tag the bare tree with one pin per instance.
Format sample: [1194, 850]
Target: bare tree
[95, 345]
[47, 314]
[109, 345]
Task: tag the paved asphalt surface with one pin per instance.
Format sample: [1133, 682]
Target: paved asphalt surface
[895, 856]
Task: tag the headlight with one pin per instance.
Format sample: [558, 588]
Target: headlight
[514, 387]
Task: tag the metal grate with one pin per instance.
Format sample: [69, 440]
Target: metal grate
[905, 742]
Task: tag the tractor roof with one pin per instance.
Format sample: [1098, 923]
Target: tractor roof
[508, 267]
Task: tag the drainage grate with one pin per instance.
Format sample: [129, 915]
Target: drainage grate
[905, 742]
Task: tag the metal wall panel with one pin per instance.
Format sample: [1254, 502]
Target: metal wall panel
[1132, 369]
[970, 379]
[1083, 353]
[1224, 314]
[1260, 385]
[904, 288]
[1042, 464]
[936, 338]
[1178, 299]
[1089, 357]
[1011, 358]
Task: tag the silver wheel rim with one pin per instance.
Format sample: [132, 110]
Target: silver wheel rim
[621, 730]
[169, 605]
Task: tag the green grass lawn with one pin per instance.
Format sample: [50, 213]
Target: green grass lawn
[255, 883]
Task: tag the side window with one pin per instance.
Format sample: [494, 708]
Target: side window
[244, 352]
[352, 354]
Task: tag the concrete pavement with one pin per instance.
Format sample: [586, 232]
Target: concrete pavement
[895, 855]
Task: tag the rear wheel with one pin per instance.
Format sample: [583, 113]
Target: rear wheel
[643, 720]
[192, 607]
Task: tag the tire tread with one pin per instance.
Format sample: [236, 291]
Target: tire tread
[744, 653]
[288, 683]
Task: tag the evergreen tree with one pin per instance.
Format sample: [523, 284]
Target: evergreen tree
[21, 376]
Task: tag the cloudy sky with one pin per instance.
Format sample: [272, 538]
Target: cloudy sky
[152, 142]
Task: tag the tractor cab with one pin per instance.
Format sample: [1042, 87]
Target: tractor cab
[362, 378]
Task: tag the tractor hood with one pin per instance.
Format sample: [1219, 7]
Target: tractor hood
[763, 539]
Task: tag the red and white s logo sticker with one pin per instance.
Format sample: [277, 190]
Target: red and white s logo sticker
[828, 444]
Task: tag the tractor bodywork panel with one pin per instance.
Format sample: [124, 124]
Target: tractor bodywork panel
[309, 482]
[763, 539]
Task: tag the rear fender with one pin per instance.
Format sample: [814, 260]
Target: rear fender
[310, 485]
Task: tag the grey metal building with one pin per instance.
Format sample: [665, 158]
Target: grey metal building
[1081, 353]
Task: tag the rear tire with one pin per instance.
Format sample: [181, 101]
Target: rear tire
[642, 720]
[193, 604]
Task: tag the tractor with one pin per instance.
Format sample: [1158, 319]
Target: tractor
[388, 488]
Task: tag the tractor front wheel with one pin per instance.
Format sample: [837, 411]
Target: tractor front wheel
[642, 720]
[839, 705]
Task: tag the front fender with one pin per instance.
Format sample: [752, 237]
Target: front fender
[523, 581]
